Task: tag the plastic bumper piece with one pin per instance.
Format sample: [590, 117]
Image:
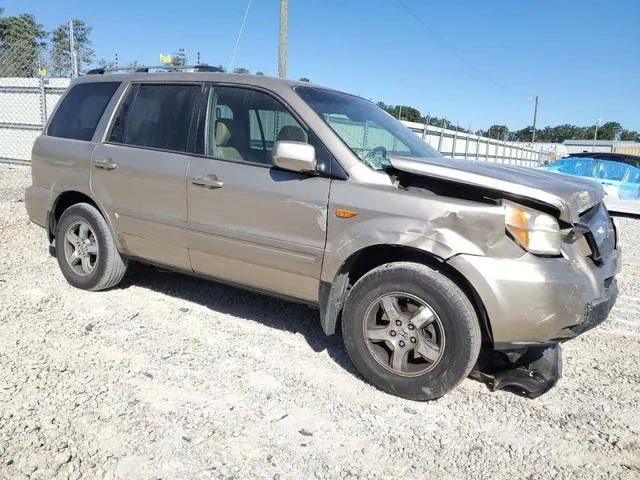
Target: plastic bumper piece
[529, 372]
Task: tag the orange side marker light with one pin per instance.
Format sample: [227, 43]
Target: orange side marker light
[342, 213]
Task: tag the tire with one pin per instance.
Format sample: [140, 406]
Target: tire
[87, 255]
[416, 295]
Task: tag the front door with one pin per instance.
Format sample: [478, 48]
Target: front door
[251, 223]
[139, 173]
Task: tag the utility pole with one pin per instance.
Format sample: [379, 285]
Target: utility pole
[72, 48]
[595, 135]
[282, 44]
[535, 116]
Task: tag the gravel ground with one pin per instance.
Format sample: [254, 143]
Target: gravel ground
[175, 377]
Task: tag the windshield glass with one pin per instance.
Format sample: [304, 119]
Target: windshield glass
[372, 134]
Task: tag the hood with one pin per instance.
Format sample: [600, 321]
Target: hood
[569, 195]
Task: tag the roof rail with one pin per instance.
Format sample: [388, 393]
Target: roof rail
[158, 68]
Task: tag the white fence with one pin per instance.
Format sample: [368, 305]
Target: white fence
[26, 103]
[460, 145]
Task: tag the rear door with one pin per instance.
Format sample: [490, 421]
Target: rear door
[138, 173]
[251, 223]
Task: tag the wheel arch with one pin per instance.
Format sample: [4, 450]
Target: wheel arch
[67, 199]
[332, 296]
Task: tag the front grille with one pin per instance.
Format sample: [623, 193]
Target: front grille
[600, 233]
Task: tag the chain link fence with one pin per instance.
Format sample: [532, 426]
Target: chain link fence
[27, 97]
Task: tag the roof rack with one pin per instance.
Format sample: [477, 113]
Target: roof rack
[160, 68]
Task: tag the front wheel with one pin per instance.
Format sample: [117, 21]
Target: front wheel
[410, 330]
[87, 255]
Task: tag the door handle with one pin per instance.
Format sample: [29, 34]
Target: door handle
[207, 181]
[106, 164]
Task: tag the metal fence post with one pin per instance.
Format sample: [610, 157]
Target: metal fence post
[518, 154]
[466, 145]
[43, 102]
[455, 139]
[440, 139]
[477, 147]
[504, 151]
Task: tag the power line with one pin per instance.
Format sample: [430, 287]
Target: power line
[235, 48]
[452, 50]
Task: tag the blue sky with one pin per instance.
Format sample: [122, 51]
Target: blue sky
[582, 57]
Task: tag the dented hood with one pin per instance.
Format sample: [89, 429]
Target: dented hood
[569, 195]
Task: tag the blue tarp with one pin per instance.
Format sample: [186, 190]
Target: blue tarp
[621, 176]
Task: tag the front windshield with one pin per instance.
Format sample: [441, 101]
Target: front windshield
[372, 134]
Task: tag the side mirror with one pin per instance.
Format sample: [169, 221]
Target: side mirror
[294, 156]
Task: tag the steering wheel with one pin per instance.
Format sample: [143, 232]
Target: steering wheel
[372, 158]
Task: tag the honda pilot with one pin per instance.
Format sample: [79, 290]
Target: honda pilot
[433, 269]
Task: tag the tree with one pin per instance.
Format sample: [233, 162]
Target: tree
[260, 74]
[524, 135]
[21, 41]
[304, 79]
[499, 132]
[563, 132]
[107, 64]
[402, 112]
[629, 135]
[222, 68]
[548, 134]
[609, 131]
[61, 47]
[241, 70]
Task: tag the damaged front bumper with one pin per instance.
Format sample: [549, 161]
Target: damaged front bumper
[533, 369]
[596, 312]
[539, 300]
[534, 304]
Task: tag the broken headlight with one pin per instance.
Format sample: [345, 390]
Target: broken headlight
[534, 231]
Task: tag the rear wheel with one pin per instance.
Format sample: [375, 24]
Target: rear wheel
[410, 330]
[87, 255]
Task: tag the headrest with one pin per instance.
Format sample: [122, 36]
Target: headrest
[223, 132]
[291, 133]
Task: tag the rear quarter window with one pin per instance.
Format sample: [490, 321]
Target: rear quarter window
[81, 109]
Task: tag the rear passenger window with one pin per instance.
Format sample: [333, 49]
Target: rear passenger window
[79, 113]
[156, 116]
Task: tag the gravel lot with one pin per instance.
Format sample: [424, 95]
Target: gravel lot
[175, 377]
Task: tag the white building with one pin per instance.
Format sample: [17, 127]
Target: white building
[616, 146]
